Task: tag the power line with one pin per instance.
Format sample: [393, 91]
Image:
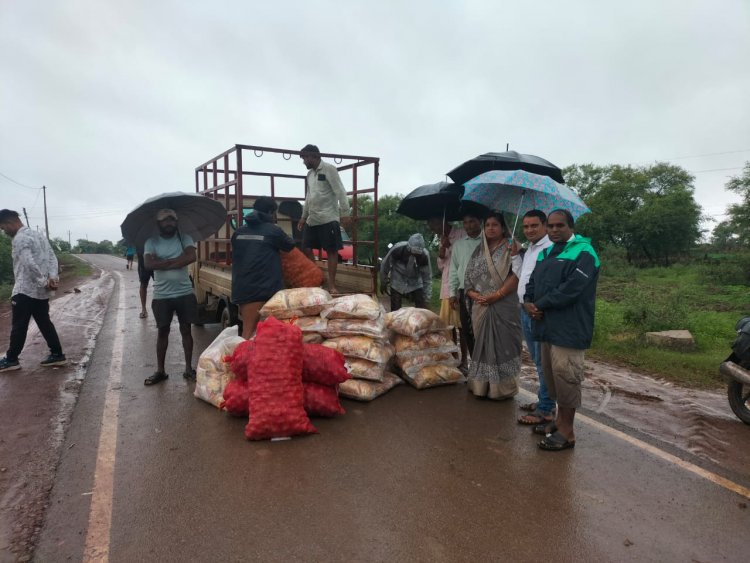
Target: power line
[716, 169]
[19, 183]
[707, 154]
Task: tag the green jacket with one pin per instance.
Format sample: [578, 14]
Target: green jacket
[563, 286]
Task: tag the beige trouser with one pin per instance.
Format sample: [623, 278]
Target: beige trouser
[563, 374]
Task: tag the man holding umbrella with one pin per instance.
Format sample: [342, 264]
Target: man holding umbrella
[168, 255]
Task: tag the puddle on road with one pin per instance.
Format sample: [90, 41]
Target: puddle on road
[697, 421]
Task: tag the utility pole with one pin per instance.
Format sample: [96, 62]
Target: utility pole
[507, 147]
[70, 245]
[27, 217]
[46, 224]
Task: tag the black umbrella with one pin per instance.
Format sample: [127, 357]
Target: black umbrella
[433, 200]
[197, 215]
[510, 160]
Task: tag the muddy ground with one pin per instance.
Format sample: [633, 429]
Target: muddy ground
[36, 404]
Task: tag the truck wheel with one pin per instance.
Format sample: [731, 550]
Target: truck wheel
[739, 397]
[226, 318]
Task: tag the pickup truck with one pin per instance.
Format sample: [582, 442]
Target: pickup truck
[243, 173]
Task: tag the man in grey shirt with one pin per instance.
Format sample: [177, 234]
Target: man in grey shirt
[325, 203]
[35, 273]
[407, 268]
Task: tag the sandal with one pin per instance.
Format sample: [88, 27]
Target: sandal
[157, 377]
[529, 407]
[544, 429]
[143, 314]
[189, 374]
[556, 442]
[535, 419]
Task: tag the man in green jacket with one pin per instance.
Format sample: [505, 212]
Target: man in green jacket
[560, 298]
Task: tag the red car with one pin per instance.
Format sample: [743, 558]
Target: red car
[346, 254]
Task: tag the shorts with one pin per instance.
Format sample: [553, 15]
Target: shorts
[326, 236]
[143, 274]
[563, 374]
[186, 307]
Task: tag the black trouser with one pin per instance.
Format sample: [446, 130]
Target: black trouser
[465, 316]
[417, 296]
[23, 308]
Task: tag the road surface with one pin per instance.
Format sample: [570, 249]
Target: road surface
[154, 474]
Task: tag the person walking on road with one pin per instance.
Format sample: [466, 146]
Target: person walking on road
[35, 271]
[460, 255]
[256, 264]
[560, 299]
[326, 205]
[407, 268]
[144, 276]
[129, 255]
[535, 231]
[491, 283]
[168, 255]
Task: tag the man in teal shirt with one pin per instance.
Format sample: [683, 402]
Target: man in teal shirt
[168, 255]
[462, 251]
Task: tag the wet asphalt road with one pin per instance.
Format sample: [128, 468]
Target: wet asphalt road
[431, 475]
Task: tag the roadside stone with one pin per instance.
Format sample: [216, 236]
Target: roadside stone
[675, 339]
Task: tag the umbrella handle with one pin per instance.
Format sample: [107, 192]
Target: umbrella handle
[518, 211]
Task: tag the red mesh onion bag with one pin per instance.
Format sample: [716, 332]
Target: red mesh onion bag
[322, 400]
[323, 365]
[241, 358]
[299, 271]
[275, 381]
[236, 395]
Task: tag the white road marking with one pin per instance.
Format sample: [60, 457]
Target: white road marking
[661, 454]
[100, 513]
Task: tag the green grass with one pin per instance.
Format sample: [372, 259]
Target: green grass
[70, 267]
[667, 298]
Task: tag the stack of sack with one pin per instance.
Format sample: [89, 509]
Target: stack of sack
[280, 382]
[214, 371]
[425, 352]
[356, 328]
[302, 306]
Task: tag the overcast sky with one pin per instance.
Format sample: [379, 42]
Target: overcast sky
[109, 103]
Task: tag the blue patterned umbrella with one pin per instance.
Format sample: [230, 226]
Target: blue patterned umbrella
[518, 191]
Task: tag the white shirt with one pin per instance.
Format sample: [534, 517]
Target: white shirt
[529, 263]
[34, 263]
[326, 198]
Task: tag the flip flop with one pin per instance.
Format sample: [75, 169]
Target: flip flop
[143, 315]
[556, 442]
[544, 429]
[529, 407]
[535, 419]
[189, 374]
[156, 377]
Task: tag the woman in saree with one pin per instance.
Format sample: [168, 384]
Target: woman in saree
[491, 296]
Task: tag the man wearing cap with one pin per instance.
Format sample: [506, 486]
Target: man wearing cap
[168, 255]
[35, 273]
[326, 204]
[407, 266]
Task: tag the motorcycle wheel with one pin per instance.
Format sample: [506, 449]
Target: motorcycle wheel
[739, 398]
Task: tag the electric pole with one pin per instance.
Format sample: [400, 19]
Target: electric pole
[46, 224]
[27, 217]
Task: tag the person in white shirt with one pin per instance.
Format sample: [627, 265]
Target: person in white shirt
[535, 231]
[35, 271]
[325, 203]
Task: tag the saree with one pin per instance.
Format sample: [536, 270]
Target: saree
[496, 359]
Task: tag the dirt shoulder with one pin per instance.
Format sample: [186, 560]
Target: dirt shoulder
[35, 408]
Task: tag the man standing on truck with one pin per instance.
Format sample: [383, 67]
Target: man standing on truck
[326, 204]
[168, 255]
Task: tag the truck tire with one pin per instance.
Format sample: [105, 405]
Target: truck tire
[739, 396]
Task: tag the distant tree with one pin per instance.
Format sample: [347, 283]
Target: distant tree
[59, 245]
[84, 246]
[650, 211]
[105, 247]
[736, 228]
[6, 261]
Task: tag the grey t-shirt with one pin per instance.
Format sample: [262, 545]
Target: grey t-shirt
[170, 283]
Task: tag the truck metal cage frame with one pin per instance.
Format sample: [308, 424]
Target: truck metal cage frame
[226, 178]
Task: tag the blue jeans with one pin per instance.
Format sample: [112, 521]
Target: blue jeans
[546, 405]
